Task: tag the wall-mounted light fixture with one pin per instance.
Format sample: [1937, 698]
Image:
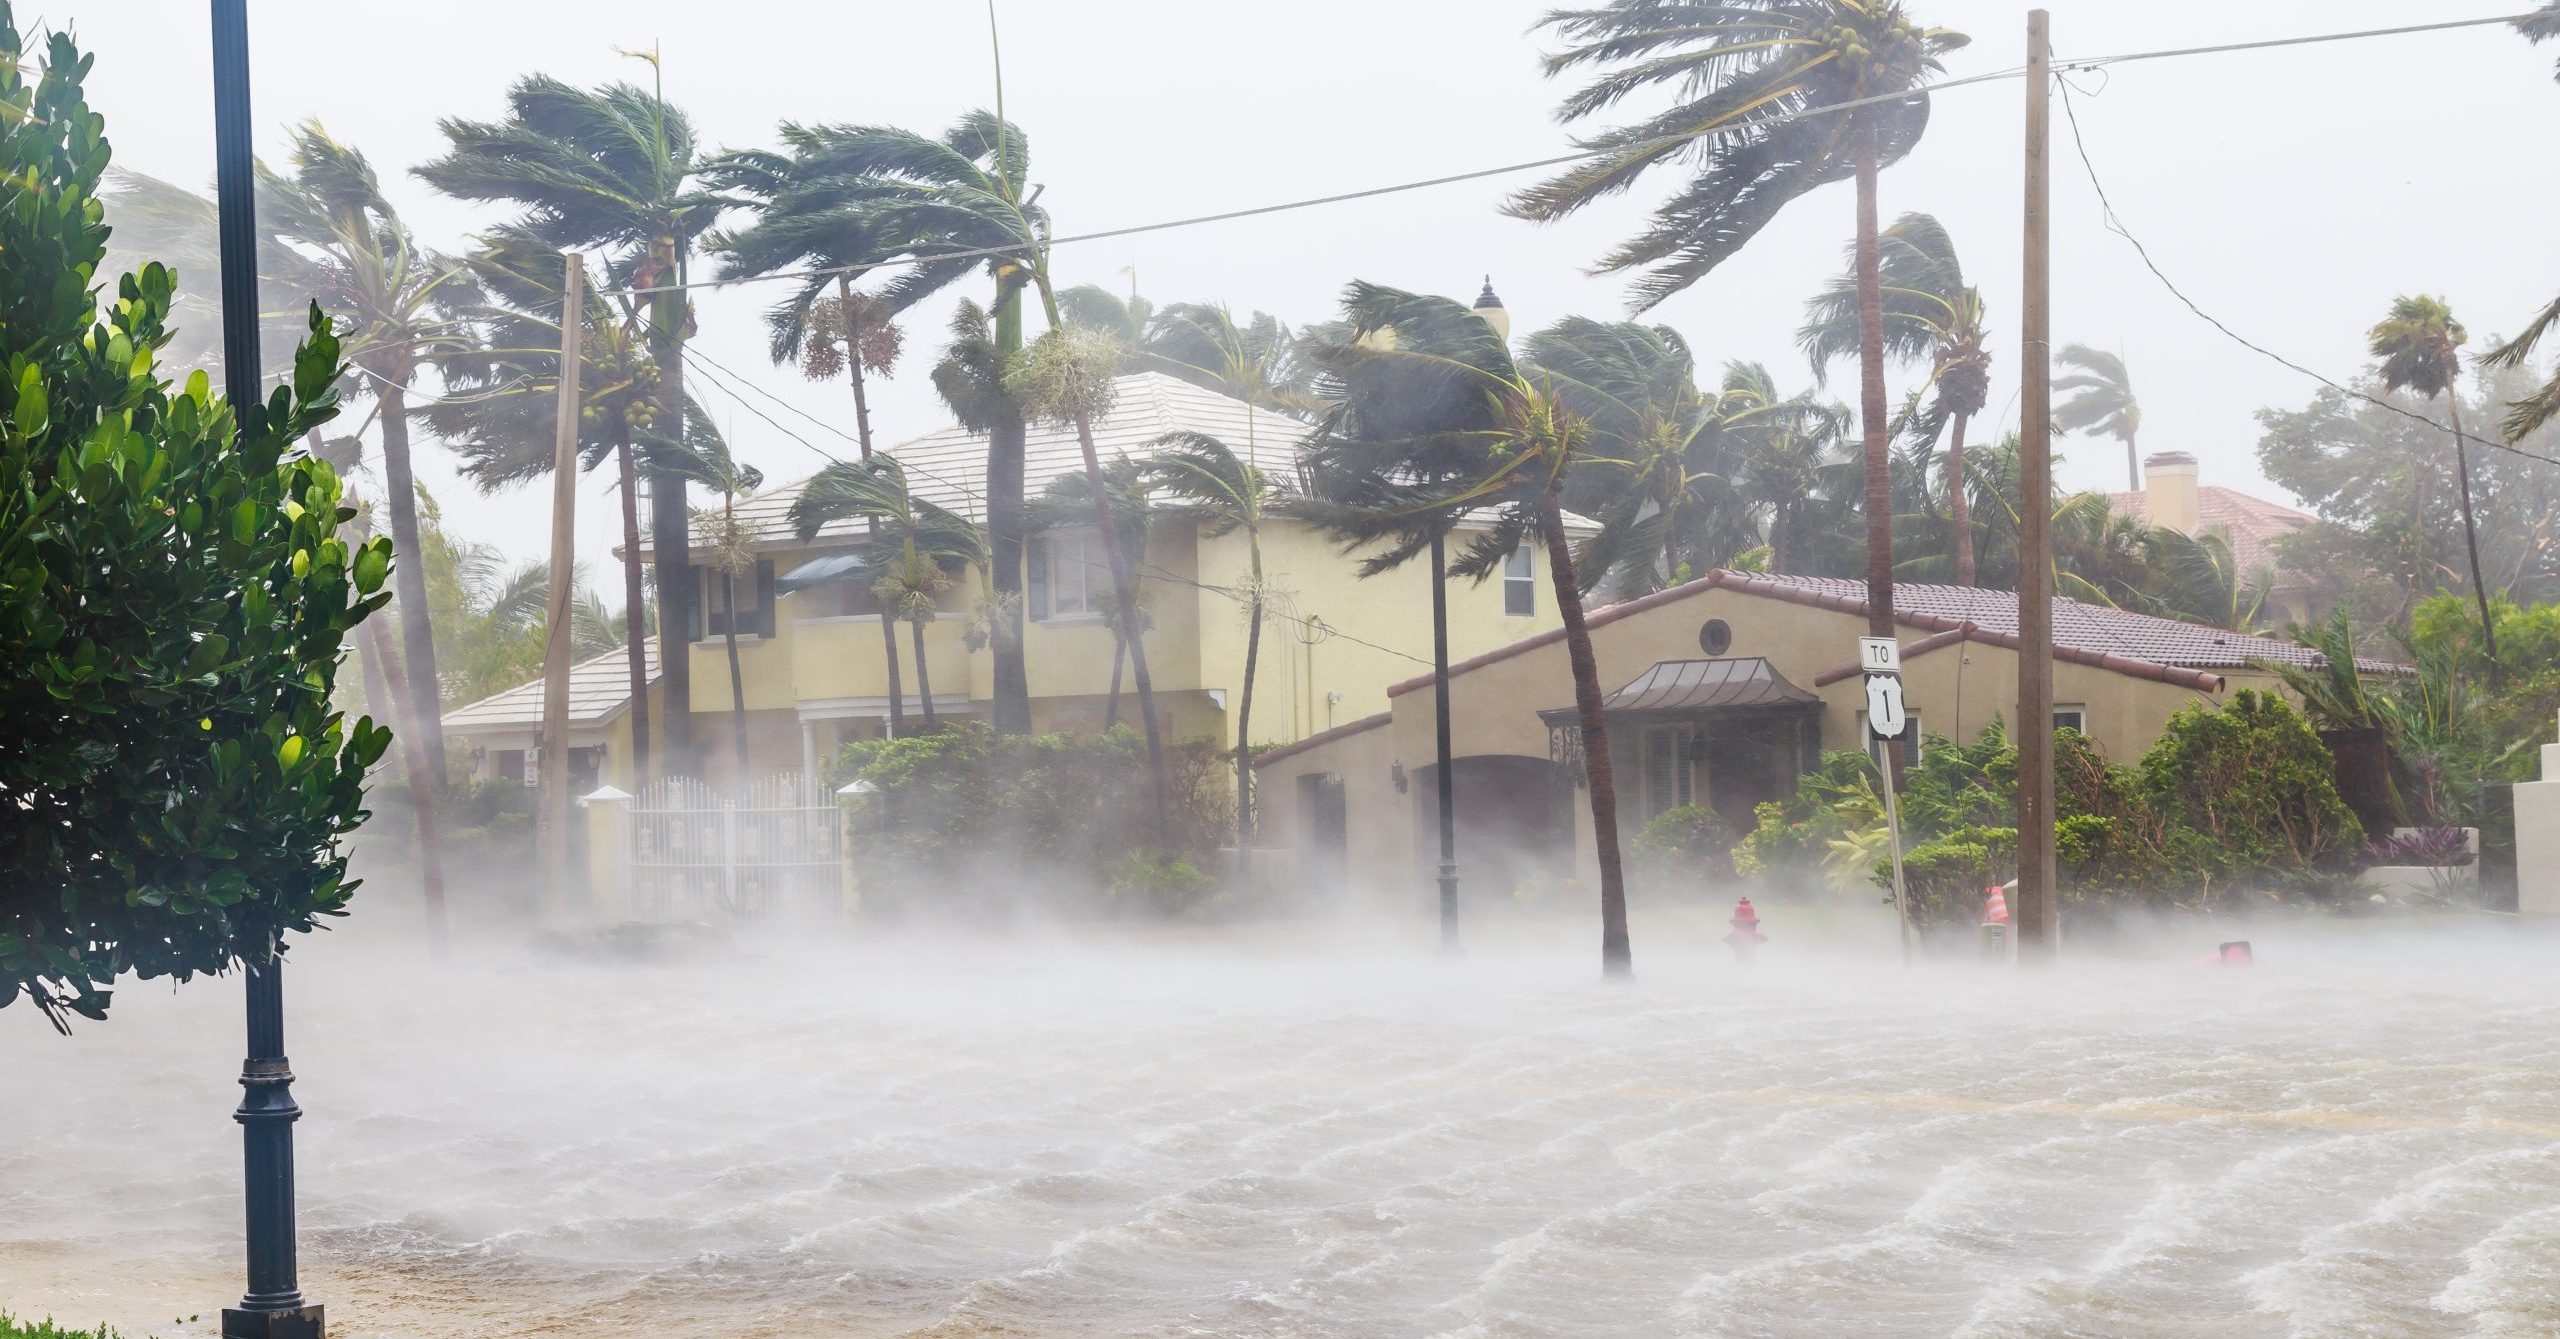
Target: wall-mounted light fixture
[1396, 774]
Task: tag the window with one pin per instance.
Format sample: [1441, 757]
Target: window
[1667, 774]
[1911, 746]
[1519, 585]
[2071, 716]
[511, 765]
[1070, 575]
[755, 602]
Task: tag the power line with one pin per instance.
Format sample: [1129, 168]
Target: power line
[741, 378]
[2265, 44]
[1311, 202]
[741, 401]
[2115, 224]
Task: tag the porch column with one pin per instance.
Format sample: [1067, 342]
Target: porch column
[809, 757]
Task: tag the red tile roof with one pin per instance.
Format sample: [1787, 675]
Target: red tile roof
[2136, 645]
[2252, 525]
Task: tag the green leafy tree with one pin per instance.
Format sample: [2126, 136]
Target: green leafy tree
[612, 170]
[2099, 398]
[2530, 412]
[2253, 778]
[1931, 315]
[1745, 74]
[176, 601]
[1432, 424]
[2420, 345]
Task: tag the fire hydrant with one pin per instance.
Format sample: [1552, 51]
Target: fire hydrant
[1995, 923]
[1746, 934]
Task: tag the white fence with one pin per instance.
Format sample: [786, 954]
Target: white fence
[775, 853]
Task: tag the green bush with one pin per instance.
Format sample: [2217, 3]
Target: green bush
[2258, 785]
[175, 596]
[1791, 838]
[1943, 879]
[12, 1327]
[1688, 849]
[968, 817]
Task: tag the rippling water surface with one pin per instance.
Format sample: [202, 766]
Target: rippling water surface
[1204, 1134]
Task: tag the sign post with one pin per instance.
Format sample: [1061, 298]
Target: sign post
[1887, 718]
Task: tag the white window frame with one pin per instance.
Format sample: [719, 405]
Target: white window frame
[2077, 711]
[1086, 561]
[1520, 583]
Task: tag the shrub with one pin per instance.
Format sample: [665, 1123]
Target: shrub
[2260, 787]
[174, 598]
[2440, 848]
[1791, 839]
[1687, 849]
[966, 816]
[1943, 879]
[13, 1327]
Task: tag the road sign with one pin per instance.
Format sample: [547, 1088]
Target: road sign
[1885, 715]
[1879, 655]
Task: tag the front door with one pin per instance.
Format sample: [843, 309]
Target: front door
[1743, 765]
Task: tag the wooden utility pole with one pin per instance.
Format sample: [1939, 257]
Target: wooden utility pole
[2035, 907]
[555, 651]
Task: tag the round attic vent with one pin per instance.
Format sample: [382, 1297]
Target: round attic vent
[1715, 638]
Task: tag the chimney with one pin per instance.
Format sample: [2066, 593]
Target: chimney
[2169, 491]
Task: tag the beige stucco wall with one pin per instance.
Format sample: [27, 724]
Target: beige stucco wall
[1957, 689]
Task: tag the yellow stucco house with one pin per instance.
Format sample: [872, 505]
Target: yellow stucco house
[811, 661]
[1720, 693]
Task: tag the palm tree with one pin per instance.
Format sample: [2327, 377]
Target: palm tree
[2101, 401]
[2530, 412]
[499, 415]
[1436, 425]
[921, 197]
[1068, 502]
[1204, 479]
[1792, 468]
[917, 545]
[2420, 346]
[813, 210]
[1931, 314]
[1746, 74]
[612, 170]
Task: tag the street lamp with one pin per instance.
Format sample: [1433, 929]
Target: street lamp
[273, 1306]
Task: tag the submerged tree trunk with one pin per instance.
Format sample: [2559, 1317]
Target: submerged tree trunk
[1959, 506]
[409, 583]
[871, 524]
[635, 629]
[1615, 957]
[924, 679]
[2471, 538]
[1011, 706]
[422, 791]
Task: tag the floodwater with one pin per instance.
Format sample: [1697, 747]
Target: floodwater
[1277, 1133]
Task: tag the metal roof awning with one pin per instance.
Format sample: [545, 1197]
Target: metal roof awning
[1691, 687]
[820, 570]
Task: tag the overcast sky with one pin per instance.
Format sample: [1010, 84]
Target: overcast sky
[2291, 192]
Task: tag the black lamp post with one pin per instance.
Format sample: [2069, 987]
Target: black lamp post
[273, 1307]
[1448, 784]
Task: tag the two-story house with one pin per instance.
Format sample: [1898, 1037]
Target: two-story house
[813, 669]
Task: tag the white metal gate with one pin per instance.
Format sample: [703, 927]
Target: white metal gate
[775, 853]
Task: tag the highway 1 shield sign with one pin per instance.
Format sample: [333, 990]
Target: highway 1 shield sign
[1885, 715]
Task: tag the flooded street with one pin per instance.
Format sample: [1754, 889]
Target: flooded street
[1183, 1136]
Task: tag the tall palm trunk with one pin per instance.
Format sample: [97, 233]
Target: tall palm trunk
[670, 521]
[422, 791]
[1781, 537]
[1005, 440]
[2471, 536]
[2132, 465]
[924, 677]
[871, 525]
[1615, 958]
[1124, 591]
[1871, 402]
[1119, 662]
[635, 634]
[729, 636]
[1959, 505]
[409, 582]
[1244, 716]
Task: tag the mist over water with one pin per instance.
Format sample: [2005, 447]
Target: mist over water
[1297, 1131]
